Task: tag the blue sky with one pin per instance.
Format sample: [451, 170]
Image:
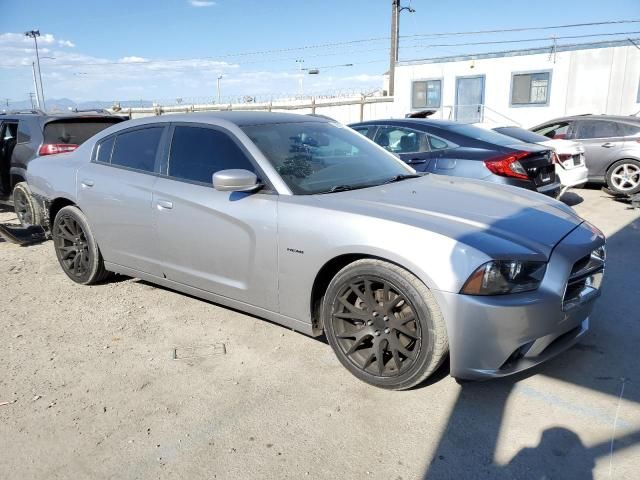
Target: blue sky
[159, 50]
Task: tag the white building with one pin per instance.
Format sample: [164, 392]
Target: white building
[524, 87]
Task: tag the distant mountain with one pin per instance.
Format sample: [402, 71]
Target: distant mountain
[64, 104]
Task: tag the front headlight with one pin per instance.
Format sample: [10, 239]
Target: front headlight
[500, 277]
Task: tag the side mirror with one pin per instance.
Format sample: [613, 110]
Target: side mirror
[235, 180]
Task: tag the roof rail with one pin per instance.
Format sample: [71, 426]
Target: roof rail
[35, 111]
[89, 110]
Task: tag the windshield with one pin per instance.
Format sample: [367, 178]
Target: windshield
[483, 135]
[521, 134]
[318, 157]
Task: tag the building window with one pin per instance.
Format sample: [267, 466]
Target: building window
[426, 94]
[530, 88]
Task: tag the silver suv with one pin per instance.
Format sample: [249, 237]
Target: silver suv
[612, 147]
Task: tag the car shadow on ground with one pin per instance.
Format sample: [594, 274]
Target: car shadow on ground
[602, 362]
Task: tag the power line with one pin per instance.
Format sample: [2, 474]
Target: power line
[433, 45]
[350, 42]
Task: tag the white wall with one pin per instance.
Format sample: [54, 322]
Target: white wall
[598, 80]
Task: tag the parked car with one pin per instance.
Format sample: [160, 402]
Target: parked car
[463, 150]
[304, 222]
[28, 134]
[570, 164]
[612, 147]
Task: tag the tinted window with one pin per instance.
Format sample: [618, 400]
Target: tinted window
[74, 131]
[521, 134]
[103, 151]
[597, 129]
[426, 94]
[137, 149]
[298, 152]
[629, 130]
[402, 140]
[24, 135]
[438, 143]
[530, 88]
[364, 130]
[483, 135]
[557, 130]
[198, 153]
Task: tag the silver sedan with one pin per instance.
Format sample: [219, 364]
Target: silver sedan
[304, 222]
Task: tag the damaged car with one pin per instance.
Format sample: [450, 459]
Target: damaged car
[304, 222]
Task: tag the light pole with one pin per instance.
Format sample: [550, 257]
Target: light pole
[300, 62]
[218, 87]
[35, 34]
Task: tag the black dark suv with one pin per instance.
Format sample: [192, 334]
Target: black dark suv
[29, 134]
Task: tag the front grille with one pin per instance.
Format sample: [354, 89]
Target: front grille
[585, 279]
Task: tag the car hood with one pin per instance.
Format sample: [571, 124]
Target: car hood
[496, 219]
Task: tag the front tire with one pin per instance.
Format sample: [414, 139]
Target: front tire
[624, 177]
[27, 209]
[384, 324]
[76, 247]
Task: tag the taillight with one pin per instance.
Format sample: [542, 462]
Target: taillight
[508, 165]
[53, 148]
[565, 156]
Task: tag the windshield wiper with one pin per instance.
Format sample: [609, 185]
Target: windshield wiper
[402, 176]
[339, 188]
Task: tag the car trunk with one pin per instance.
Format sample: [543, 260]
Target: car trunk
[539, 165]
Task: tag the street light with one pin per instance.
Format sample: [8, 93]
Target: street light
[316, 70]
[300, 61]
[35, 34]
[218, 87]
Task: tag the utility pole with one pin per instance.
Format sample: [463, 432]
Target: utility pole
[218, 87]
[396, 8]
[33, 105]
[35, 34]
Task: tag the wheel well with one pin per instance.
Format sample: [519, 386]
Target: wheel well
[15, 179]
[57, 205]
[323, 278]
[616, 161]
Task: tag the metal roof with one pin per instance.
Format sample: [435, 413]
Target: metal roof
[527, 51]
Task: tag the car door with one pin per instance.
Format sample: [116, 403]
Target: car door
[603, 143]
[220, 242]
[115, 191]
[412, 146]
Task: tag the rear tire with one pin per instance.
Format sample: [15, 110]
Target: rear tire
[76, 247]
[624, 177]
[27, 209]
[384, 324]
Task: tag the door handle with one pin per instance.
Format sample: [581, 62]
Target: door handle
[165, 205]
[413, 161]
[608, 145]
[87, 183]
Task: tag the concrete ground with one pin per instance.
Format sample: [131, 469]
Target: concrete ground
[126, 380]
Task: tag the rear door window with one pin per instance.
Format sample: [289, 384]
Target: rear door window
[137, 149]
[75, 132]
[24, 134]
[197, 153]
[366, 131]
[402, 140]
[597, 129]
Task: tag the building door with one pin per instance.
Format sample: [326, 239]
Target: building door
[469, 99]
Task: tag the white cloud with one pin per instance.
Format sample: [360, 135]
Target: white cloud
[133, 59]
[66, 43]
[201, 3]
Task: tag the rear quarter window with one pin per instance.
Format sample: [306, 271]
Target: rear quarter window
[24, 133]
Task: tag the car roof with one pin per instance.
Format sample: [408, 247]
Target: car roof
[240, 119]
[589, 116]
[411, 121]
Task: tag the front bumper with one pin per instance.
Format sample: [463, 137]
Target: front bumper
[495, 336]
